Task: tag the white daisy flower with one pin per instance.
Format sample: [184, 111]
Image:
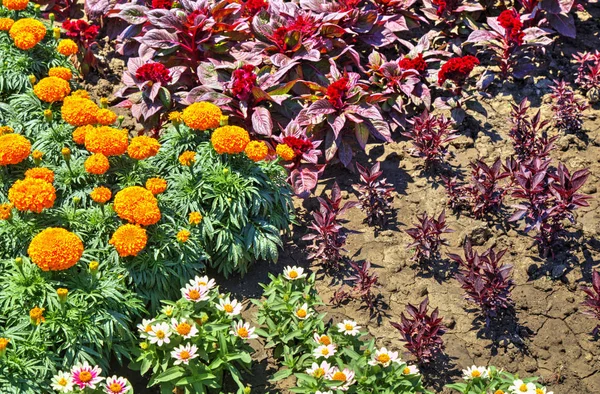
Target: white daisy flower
[319, 371]
[145, 327]
[349, 327]
[520, 387]
[183, 354]
[294, 273]
[410, 370]
[324, 351]
[62, 382]
[186, 329]
[346, 376]
[383, 357]
[203, 281]
[195, 293]
[474, 372]
[243, 330]
[302, 313]
[160, 334]
[230, 307]
[116, 385]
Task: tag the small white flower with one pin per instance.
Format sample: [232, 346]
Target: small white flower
[520, 387]
[475, 372]
[203, 281]
[319, 371]
[186, 329]
[183, 354]
[195, 293]
[346, 376]
[349, 327]
[324, 392]
[410, 370]
[160, 334]
[62, 382]
[243, 330]
[324, 351]
[302, 313]
[294, 273]
[145, 328]
[230, 307]
[383, 357]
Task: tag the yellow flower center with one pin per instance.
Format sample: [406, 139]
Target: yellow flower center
[194, 294]
[406, 371]
[202, 283]
[148, 328]
[339, 376]
[183, 329]
[242, 332]
[184, 355]
[62, 382]
[115, 387]
[475, 374]
[523, 388]
[160, 334]
[539, 391]
[383, 358]
[499, 392]
[301, 313]
[349, 327]
[319, 372]
[325, 340]
[325, 351]
[85, 376]
[293, 274]
[228, 308]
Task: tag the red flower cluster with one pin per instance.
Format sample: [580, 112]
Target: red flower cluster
[253, 7]
[416, 63]
[511, 21]
[457, 69]
[81, 31]
[242, 82]
[162, 4]
[154, 72]
[336, 92]
[299, 145]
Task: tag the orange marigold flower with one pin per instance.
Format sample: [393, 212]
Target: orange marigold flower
[101, 195]
[129, 240]
[31, 194]
[80, 132]
[67, 47]
[176, 117]
[143, 147]
[25, 41]
[27, 32]
[55, 249]
[15, 5]
[285, 152]
[230, 139]
[256, 150]
[137, 205]
[6, 130]
[60, 72]
[96, 164]
[6, 24]
[5, 211]
[40, 173]
[183, 235]
[82, 93]
[37, 315]
[14, 148]
[195, 218]
[202, 116]
[51, 89]
[37, 155]
[79, 111]
[156, 185]
[107, 140]
[187, 158]
[106, 117]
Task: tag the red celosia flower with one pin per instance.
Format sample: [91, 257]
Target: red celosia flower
[299, 145]
[457, 69]
[253, 7]
[303, 24]
[242, 82]
[511, 21]
[336, 92]
[154, 72]
[416, 63]
[162, 4]
[81, 31]
[441, 6]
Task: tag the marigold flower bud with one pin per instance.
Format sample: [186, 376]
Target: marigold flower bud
[56, 33]
[93, 266]
[66, 152]
[3, 345]
[62, 294]
[19, 261]
[48, 115]
[32, 79]
[51, 17]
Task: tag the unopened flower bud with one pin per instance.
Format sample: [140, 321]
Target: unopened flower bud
[76, 200]
[247, 390]
[93, 266]
[3, 345]
[19, 261]
[56, 33]
[104, 102]
[32, 79]
[62, 294]
[66, 152]
[48, 115]
[144, 345]
[51, 17]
